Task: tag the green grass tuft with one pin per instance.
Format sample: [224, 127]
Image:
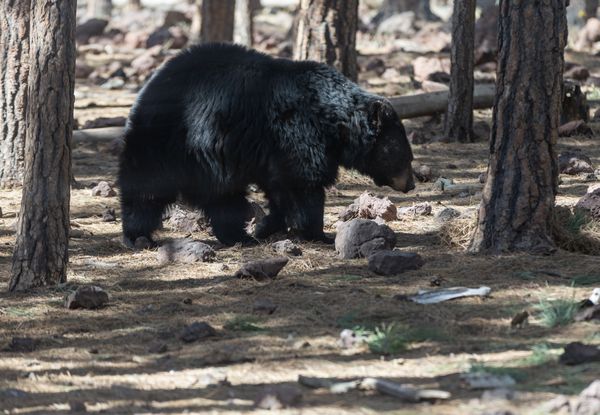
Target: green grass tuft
[556, 313]
[243, 323]
[388, 339]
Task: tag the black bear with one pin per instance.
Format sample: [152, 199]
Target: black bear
[219, 117]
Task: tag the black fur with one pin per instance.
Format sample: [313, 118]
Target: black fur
[218, 117]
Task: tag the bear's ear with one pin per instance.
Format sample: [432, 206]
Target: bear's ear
[376, 114]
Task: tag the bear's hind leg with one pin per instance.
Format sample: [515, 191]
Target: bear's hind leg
[228, 216]
[141, 217]
[275, 221]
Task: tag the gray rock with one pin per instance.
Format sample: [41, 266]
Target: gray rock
[574, 162]
[424, 173]
[278, 397]
[187, 221]
[352, 235]
[197, 331]
[286, 247]
[398, 24]
[264, 306]
[590, 202]
[262, 269]
[22, 345]
[368, 206]
[109, 215]
[103, 189]
[420, 209]
[394, 262]
[446, 215]
[88, 296]
[588, 402]
[186, 251]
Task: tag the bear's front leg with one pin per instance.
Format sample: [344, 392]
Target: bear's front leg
[305, 216]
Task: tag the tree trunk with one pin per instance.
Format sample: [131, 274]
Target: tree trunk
[518, 198]
[459, 117]
[101, 9]
[41, 250]
[327, 33]
[14, 70]
[217, 18]
[244, 17]
[591, 8]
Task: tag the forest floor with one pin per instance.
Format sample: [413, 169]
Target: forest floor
[107, 359]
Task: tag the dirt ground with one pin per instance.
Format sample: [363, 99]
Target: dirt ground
[102, 358]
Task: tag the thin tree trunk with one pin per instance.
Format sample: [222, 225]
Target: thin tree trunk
[518, 198]
[14, 70]
[459, 117]
[327, 33]
[99, 9]
[41, 250]
[244, 19]
[217, 21]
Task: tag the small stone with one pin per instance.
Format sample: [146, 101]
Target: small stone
[576, 353]
[262, 269]
[103, 189]
[588, 314]
[394, 262]
[87, 296]
[22, 345]
[286, 247]
[77, 406]
[572, 128]
[113, 83]
[590, 203]
[424, 173]
[349, 339]
[498, 394]
[417, 137]
[158, 348]
[368, 206]
[186, 251]
[572, 162]
[109, 215]
[446, 215]
[264, 306]
[352, 235]
[420, 209]
[175, 17]
[483, 177]
[278, 397]
[187, 221]
[102, 122]
[197, 331]
[89, 29]
[187, 301]
[588, 402]
[578, 73]
[375, 64]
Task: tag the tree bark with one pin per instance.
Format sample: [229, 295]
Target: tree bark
[14, 70]
[217, 18]
[459, 117]
[327, 33]
[518, 197]
[591, 8]
[99, 9]
[244, 22]
[41, 249]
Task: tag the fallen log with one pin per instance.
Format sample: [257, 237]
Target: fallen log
[419, 105]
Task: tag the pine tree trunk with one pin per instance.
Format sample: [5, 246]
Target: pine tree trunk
[217, 21]
[459, 117]
[327, 33]
[244, 27]
[41, 250]
[14, 70]
[591, 8]
[101, 9]
[518, 198]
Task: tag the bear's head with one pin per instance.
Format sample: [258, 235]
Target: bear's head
[388, 161]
